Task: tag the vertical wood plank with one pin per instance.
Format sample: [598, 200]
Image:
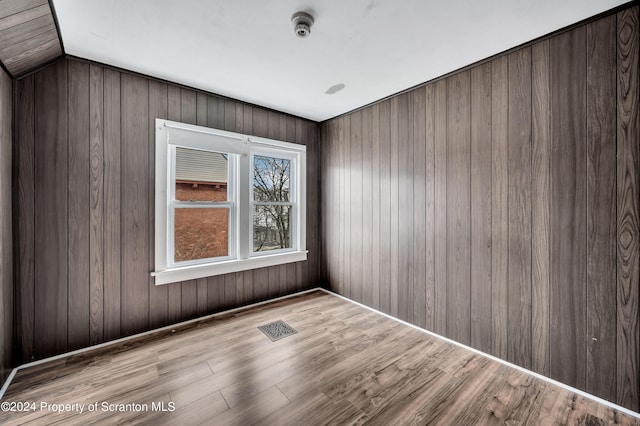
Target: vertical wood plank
[601, 208]
[8, 296]
[229, 290]
[78, 196]
[481, 207]
[430, 204]
[51, 207]
[541, 151]
[367, 209]
[158, 294]
[394, 179]
[343, 268]
[519, 257]
[376, 206]
[419, 250]
[274, 281]
[26, 218]
[628, 283]
[313, 194]
[135, 202]
[303, 268]
[230, 115]
[440, 207]
[112, 205]
[215, 112]
[458, 208]
[568, 208]
[405, 208]
[215, 293]
[355, 211]
[96, 236]
[326, 176]
[499, 206]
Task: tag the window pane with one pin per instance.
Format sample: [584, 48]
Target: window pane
[271, 177]
[271, 228]
[201, 233]
[201, 175]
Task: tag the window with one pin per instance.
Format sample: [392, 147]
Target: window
[225, 202]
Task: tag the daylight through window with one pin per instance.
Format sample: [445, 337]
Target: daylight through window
[225, 202]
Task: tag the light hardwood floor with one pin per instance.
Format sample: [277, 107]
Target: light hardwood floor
[346, 365]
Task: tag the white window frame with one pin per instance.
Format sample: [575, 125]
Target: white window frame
[241, 149]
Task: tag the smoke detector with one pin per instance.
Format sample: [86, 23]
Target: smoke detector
[302, 23]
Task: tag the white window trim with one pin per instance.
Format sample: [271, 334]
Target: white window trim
[170, 134]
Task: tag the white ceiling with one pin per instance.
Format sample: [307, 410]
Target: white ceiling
[246, 49]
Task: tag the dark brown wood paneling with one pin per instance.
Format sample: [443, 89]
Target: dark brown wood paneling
[158, 294]
[96, 206]
[28, 35]
[26, 223]
[499, 206]
[395, 212]
[601, 207]
[405, 232]
[628, 282]
[384, 290]
[112, 205]
[78, 196]
[540, 157]
[376, 204]
[417, 299]
[306, 272]
[519, 204]
[135, 202]
[87, 201]
[568, 208]
[229, 290]
[51, 211]
[368, 286]
[458, 208]
[440, 206]
[481, 207]
[7, 296]
[503, 194]
[356, 199]
[430, 203]
[345, 206]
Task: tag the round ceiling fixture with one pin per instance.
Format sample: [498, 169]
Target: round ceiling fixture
[302, 23]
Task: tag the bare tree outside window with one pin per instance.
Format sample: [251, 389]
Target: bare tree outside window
[272, 203]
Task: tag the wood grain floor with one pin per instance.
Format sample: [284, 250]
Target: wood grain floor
[346, 365]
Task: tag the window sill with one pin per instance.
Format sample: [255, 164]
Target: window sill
[207, 270]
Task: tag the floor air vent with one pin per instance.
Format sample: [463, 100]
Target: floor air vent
[277, 330]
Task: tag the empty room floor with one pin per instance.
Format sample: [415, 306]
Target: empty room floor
[345, 365]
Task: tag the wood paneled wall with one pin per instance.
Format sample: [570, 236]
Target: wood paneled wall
[86, 150]
[499, 207]
[6, 229]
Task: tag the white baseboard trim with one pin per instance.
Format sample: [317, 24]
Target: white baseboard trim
[517, 367]
[146, 333]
